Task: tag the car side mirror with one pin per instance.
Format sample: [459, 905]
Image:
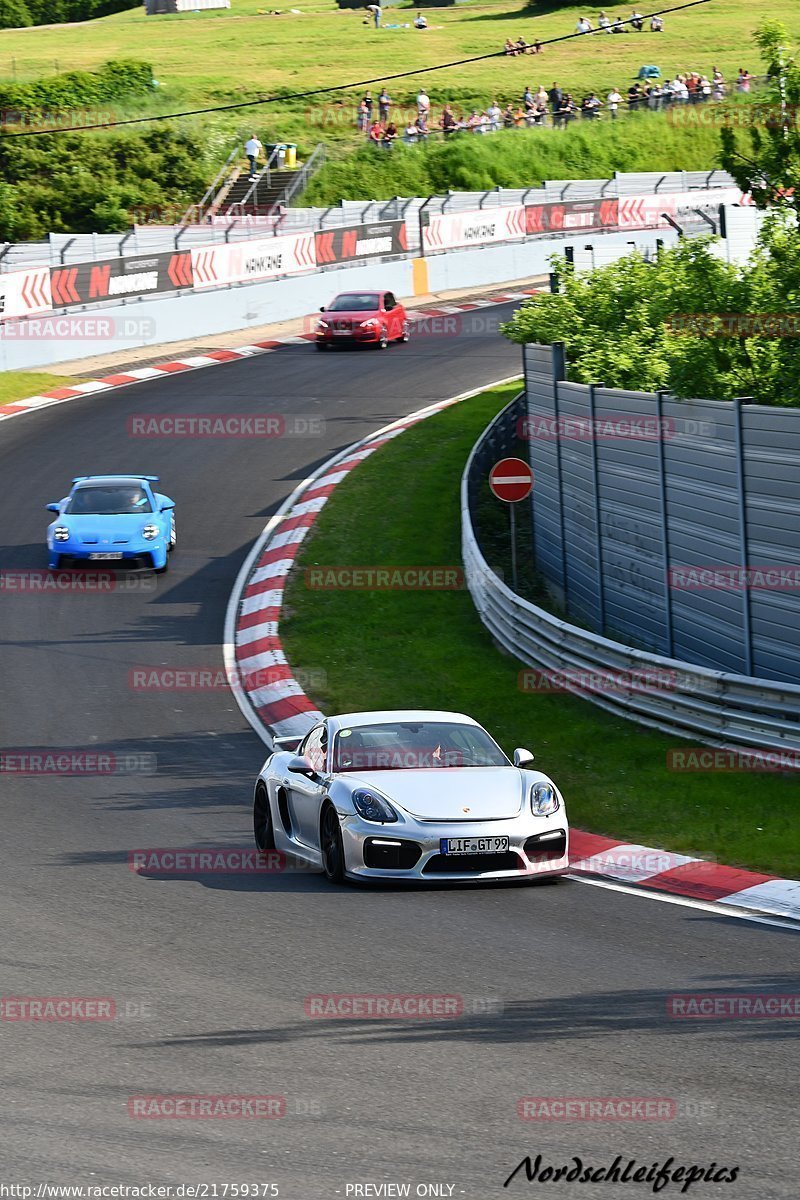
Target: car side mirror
[322, 308]
[522, 757]
[52, 508]
[299, 764]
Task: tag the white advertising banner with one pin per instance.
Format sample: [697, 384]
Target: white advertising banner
[478, 227]
[265, 258]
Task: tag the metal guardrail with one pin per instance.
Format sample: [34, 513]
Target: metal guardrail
[714, 707]
[63, 249]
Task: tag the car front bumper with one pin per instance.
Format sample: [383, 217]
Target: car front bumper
[148, 553]
[537, 847]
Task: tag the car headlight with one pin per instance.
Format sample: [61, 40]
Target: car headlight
[372, 807]
[544, 799]
[61, 533]
[369, 324]
[150, 531]
[322, 325]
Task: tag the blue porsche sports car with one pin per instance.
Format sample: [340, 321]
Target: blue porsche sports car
[112, 518]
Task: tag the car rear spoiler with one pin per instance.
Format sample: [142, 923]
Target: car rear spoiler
[149, 478]
[286, 743]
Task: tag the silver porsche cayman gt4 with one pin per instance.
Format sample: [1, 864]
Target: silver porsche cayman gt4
[409, 795]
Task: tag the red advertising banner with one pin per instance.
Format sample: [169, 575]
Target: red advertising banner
[360, 241]
[566, 215]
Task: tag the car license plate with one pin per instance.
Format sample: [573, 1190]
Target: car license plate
[476, 845]
[342, 333]
[106, 554]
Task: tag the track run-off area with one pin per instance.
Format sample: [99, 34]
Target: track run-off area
[563, 989]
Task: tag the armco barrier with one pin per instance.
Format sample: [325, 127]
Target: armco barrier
[718, 707]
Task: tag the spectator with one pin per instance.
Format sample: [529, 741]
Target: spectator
[567, 109]
[583, 26]
[637, 20]
[368, 103]
[495, 116]
[476, 121]
[718, 85]
[389, 136]
[540, 115]
[590, 107]
[511, 47]
[508, 117]
[376, 133]
[420, 21]
[423, 106]
[377, 13]
[655, 96]
[384, 104]
[448, 123]
[617, 26]
[410, 134]
[253, 149]
[541, 96]
[522, 46]
[635, 97]
[363, 116]
[604, 23]
[527, 99]
[704, 88]
[656, 24]
[743, 80]
[692, 87]
[555, 96]
[421, 125]
[613, 100]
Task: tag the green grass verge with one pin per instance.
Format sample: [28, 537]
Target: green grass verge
[429, 649]
[18, 385]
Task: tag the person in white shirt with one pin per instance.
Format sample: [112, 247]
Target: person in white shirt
[495, 115]
[423, 106]
[253, 149]
[604, 23]
[613, 100]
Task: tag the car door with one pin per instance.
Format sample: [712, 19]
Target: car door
[307, 791]
[390, 305]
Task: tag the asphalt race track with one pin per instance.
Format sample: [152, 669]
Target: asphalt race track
[564, 985]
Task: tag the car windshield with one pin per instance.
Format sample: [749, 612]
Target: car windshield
[109, 500]
[355, 302]
[412, 745]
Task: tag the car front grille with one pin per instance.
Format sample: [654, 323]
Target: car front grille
[463, 864]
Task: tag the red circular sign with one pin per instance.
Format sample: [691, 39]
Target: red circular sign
[511, 479]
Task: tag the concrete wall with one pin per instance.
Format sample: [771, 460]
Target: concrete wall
[139, 323]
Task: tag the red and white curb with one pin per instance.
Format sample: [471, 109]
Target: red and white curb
[125, 378]
[280, 707]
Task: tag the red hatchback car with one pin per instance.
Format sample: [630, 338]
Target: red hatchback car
[356, 317]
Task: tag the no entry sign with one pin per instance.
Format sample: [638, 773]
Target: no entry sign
[511, 479]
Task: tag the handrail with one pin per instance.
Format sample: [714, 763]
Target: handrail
[210, 190]
[717, 708]
[300, 182]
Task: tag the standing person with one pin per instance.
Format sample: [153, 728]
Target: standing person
[376, 133]
[528, 103]
[377, 13]
[743, 80]
[363, 116]
[410, 135]
[555, 96]
[495, 116]
[389, 136]
[718, 85]
[423, 106]
[508, 116]
[253, 149]
[368, 103]
[613, 100]
[591, 106]
[384, 104]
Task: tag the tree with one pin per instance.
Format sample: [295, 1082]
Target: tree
[14, 14]
[771, 170]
